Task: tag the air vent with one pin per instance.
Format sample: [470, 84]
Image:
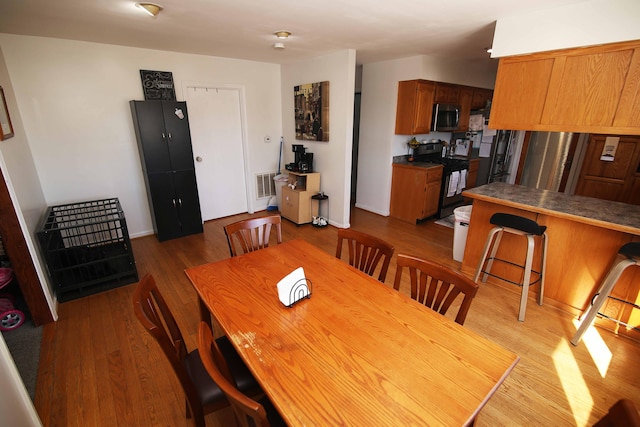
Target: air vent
[265, 186]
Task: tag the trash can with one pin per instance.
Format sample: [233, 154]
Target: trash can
[280, 181]
[462, 216]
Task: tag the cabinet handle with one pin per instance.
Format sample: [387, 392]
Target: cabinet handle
[174, 203]
[180, 202]
[169, 136]
[164, 136]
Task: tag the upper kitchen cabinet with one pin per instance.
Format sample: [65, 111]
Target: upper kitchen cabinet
[465, 97]
[415, 107]
[446, 93]
[480, 98]
[592, 89]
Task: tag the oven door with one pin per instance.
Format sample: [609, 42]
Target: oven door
[449, 200]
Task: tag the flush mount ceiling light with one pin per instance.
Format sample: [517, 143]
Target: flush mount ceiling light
[278, 45]
[151, 8]
[282, 34]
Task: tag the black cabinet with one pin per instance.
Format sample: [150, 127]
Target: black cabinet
[164, 142]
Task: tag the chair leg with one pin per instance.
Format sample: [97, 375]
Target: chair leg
[487, 246]
[603, 292]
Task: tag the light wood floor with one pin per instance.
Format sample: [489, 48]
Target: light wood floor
[100, 368]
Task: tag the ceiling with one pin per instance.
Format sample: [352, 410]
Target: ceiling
[377, 29]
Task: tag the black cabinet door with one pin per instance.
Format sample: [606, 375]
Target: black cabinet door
[186, 191]
[164, 139]
[150, 133]
[178, 136]
[165, 206]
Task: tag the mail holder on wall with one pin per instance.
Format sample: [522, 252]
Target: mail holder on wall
[294, 288]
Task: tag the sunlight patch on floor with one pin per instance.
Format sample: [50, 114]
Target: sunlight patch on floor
[600, 353]
[573, 384]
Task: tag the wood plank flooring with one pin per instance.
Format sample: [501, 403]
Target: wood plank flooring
[100, 368]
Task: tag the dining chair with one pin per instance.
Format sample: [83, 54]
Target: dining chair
[248, 412]
[203, 395]
[252, 234]
[365, 252]
[435, 285]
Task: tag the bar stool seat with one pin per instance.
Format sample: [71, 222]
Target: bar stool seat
[518, 225]
[630, 256]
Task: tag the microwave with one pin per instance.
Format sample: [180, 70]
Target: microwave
[446, 117]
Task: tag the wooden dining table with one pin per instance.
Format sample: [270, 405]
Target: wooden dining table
[356, 352]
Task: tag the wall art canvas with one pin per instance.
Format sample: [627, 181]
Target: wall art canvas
[158, 85]
[312, 111]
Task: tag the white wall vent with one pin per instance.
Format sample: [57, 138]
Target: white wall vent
[265, 186]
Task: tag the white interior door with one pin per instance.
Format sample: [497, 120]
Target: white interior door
[216, 133]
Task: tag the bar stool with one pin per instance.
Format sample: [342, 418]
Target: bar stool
[631, 254]
[514, 224]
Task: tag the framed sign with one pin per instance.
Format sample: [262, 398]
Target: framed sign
[158, 85]
[312, 111]
[5, 120]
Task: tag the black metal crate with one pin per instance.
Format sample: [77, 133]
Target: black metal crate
[87, 248]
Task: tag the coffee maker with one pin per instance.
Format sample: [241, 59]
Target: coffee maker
[303, 161]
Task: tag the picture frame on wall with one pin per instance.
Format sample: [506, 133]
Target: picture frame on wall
[5, 119]
[312, 111]
[158, 85]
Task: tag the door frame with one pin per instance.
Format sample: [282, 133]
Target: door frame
[243, 129]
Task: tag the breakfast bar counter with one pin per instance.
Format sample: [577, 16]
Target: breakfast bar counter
[584, 236]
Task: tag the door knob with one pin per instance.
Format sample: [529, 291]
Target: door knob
[198, 159]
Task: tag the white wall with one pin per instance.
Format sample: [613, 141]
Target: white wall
[16, 408]
[73, 98]
[378, 143]
[585, 23]
[332, 159]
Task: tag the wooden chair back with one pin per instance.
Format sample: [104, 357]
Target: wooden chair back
[436, 286]
[252, 234]
[248, 412]
[153, 313]
[365, 252]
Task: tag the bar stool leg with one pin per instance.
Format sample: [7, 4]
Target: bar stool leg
[487, 246]
[526, 280]
[543, 267]
[603, 293]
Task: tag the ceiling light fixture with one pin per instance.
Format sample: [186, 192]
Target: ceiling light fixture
[278, 45]
[488, 49]
[282, 34]
[151, 8]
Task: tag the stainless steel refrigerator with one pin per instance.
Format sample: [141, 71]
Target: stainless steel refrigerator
[546, 160]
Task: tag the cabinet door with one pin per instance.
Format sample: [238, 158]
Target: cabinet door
[464, 97]
[290, 204]
[166, 218]
[186, 191]
[407, 193]
[446, 94]
[178, 136]
[150, 133]
[520, 93]
[480, 98]
[431, 199]
[415, 107]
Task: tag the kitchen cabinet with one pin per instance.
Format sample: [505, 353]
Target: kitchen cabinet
[415, 191]
[472, 175]
[613, 180]
[465, 96]
[591, 89]
[164, 143]
[480, 97]
[446, 94]
[297, 205]
[415, 107]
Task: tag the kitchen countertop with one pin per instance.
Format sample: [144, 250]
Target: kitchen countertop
[603, 213]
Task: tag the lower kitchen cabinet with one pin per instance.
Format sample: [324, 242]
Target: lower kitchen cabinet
[415, 191]
[296, 204]
[175, 204]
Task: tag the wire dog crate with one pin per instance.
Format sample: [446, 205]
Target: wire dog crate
[87, 248]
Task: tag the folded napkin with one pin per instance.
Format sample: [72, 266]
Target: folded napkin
[453, 183]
